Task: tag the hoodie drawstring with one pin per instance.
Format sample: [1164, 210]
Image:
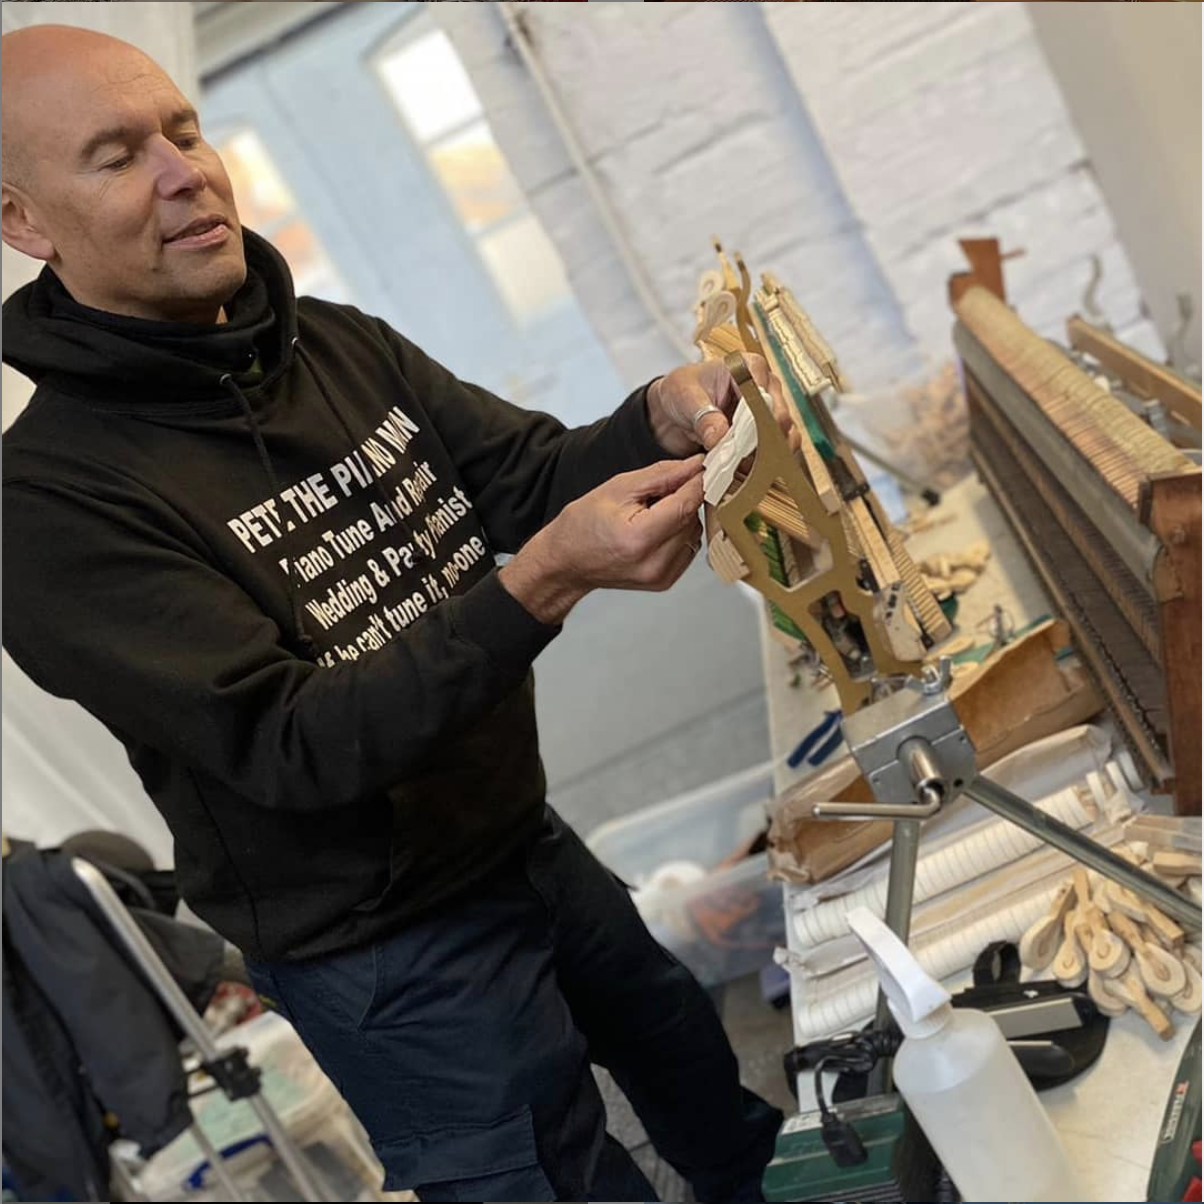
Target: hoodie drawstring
[352, 443]
[304, 639]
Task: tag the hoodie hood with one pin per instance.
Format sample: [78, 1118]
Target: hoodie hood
[134, 365]
[89, 353]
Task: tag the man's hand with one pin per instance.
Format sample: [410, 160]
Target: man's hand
[639, 530]
[675, 400]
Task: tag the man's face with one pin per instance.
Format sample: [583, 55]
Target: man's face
[123, 186]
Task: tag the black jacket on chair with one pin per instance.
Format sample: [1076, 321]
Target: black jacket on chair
[84, 1033]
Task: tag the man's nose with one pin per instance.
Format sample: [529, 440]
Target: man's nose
[177, 173]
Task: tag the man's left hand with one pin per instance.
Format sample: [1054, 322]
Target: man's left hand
[677, 405]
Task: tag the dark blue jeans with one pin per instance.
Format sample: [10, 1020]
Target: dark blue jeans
[463, 1043]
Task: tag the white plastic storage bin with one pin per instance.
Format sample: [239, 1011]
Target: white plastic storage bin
[722, 923]
[307, 1103]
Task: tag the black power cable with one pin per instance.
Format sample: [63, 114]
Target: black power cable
[855, 1053]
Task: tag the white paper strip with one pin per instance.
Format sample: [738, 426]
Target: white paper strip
[724, 458]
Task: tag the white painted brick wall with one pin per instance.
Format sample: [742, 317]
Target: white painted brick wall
[846, 146]
[943, 120]
[695, 130]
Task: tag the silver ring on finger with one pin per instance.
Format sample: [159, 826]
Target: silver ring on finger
[700, 414]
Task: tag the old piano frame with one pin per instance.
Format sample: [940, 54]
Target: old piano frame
[838, 551]
[1107, 511]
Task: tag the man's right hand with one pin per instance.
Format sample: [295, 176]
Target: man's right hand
[639, 530]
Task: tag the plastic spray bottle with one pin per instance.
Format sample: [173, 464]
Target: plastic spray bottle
[964, 1086]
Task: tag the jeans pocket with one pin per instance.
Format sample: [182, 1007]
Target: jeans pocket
[264, 986]
[350, 982]
[340, 987]
[496, 1161]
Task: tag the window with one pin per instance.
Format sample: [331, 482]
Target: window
[266, 204]
[432, 91]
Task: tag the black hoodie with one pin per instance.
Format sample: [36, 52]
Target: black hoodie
[262, 554]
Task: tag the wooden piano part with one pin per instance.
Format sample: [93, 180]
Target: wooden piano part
[776, 315]
[1109, 513]
[1141, 375]
[986, 268]
[813, 342]
[802, 585]
[739, 285]
[805, 529]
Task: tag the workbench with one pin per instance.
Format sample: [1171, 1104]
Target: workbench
[1109, 1116]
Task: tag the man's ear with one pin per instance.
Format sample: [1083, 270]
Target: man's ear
[21, 227]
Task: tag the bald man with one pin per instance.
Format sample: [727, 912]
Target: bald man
[255, 536]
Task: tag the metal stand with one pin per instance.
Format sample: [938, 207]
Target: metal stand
[221, 1172]
[916, 756]
[929, 495]
[1081, 848]
[906, 480]
[228, 1067]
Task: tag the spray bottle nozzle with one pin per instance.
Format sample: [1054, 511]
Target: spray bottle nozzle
[919, 1003]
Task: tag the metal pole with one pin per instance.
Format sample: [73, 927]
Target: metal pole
[930, 495]
[904, 851]
[121, 1179]
[186, 1016]
[1032, 819]
[221, 1172]
[303, 1175]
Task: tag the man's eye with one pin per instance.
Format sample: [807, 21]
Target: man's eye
[117, 164]
[188, 141]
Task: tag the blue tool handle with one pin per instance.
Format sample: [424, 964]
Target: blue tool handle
[812, 738]
[828, 747]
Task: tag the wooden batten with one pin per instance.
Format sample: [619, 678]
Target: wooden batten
[1141, 375]
[1174, 516]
